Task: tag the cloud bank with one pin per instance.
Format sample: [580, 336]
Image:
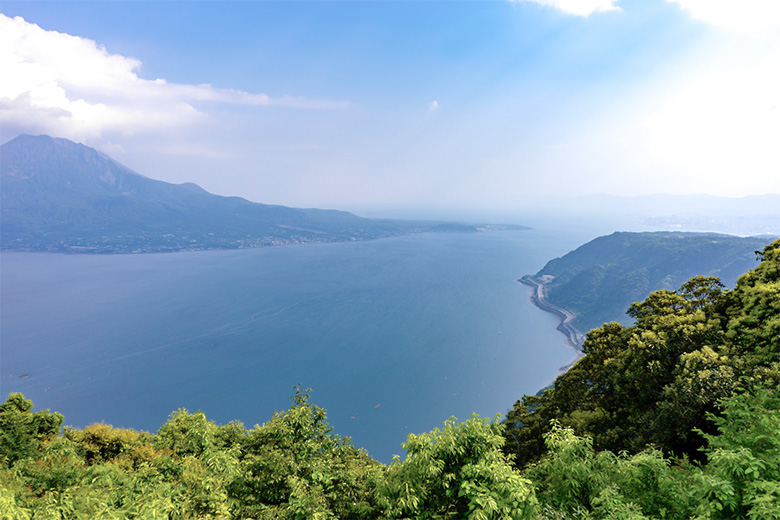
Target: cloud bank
[72, 87]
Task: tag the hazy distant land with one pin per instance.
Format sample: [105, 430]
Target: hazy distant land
[61, 196]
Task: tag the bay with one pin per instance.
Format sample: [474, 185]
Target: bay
[393, 336]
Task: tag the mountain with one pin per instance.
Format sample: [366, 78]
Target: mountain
[58, 195]
[599, 280]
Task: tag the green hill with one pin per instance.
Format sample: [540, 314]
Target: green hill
[599, 280]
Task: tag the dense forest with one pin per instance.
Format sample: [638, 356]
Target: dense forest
[599, 280]
[675, 416]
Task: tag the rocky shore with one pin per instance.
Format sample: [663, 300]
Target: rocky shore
[574, 338]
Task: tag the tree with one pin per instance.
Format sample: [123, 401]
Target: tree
[294, 466]
[22, 431]
[755, 330]
[458, 472]
[742, 477]
[650, 383]
[575, 481]
[657, 381]
[103, 443]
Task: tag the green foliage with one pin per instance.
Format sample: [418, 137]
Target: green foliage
[755, 331]
[295, 467]
[662, 380]
[22, 431]
[103, 472]
[186, 434]
[742, 477]
[575, 481]
[9, 509]
[457, 472]
[651, 383]
[671, 380]
[103, 443]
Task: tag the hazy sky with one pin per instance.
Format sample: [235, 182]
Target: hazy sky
[361, 104]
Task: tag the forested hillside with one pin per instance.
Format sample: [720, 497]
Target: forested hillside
[599, 280]
[677, 416]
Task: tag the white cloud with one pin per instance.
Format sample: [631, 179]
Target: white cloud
[742, 15]
[433, 105]
[72, 87]
[577, 7]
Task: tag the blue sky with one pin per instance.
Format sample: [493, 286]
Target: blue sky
[384, 106]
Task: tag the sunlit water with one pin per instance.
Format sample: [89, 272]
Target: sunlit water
[393, 335]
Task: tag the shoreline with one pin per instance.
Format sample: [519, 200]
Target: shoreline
[574, 338]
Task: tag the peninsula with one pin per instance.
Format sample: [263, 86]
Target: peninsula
[599, 280]
[595, 283]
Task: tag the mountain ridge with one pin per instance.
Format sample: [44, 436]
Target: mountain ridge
[599, 280]
[58, 195]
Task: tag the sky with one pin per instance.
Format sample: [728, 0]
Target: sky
[382, 106]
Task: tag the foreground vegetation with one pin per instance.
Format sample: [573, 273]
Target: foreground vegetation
[677, 416]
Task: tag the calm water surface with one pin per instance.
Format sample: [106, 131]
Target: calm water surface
[393, 336]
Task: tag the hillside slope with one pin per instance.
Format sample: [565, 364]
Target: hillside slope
[599, 280]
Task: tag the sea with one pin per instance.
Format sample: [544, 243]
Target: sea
[392, 336]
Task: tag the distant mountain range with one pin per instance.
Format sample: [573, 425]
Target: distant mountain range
[599, 280]
[57, 195]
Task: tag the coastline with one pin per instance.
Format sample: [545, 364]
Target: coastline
[574, 337]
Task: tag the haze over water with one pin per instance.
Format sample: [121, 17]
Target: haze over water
[393, 335]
